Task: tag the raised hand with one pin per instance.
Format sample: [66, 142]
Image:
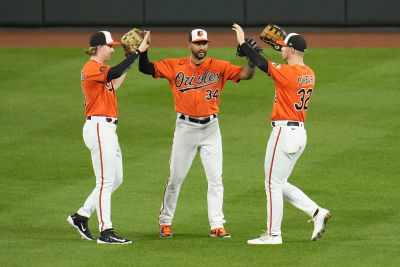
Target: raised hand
[239, 33]
[145, 43]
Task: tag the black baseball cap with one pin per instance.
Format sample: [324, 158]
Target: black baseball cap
[101, 38]
[294, 40]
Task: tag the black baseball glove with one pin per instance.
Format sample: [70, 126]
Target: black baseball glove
[253, 44]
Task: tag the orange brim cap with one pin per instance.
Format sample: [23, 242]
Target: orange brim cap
[114, 43]
[200, 40]
[282, 43]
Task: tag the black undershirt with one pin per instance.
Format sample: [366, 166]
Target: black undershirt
[118, 70]
[254, 57]
[145, 66]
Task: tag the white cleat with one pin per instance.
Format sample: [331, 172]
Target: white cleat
[266, 239]
[320, 221]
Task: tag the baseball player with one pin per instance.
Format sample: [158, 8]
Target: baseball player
[99, 83]
[196, 83]
[294, 84]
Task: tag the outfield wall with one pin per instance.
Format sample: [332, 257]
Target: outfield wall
[335, 13]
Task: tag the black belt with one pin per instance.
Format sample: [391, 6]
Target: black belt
[289, 123]
[107, 120]
[206, 120]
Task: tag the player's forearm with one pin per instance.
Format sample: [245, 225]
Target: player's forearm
[145, 66]
[256, 58]
[118, 70]
[117, 82]
[247, 72]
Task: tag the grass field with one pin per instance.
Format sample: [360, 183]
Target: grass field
[350, 165]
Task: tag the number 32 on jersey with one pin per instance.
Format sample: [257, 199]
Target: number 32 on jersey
[305, 95]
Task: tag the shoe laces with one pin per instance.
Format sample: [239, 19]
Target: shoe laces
[110, 233]
[220, 231]
[265, 234]
[165, 229]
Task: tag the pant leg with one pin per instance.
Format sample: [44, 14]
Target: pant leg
[297, 198]
[184, 149]
[273, 184]
[102, 141]
[211, 157]
[90, 204]
[295, 146]
[285, 146]
[90, 139]
[119, 174]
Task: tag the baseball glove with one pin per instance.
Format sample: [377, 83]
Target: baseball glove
[271, 34]
[131, 40]
[253, 44]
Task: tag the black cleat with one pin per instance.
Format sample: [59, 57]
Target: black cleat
[108, 237]
[80, 223]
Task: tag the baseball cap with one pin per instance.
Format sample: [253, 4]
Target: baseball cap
[198, 35]
[101, 38]
[294, 40]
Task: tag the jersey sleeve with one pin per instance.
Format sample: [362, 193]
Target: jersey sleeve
[232, 72]
[98, 73]
[277, 72]
[164, 68]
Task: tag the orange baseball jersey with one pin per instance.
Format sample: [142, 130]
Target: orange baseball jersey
[294, 85]
[99, 95]
[196, 89]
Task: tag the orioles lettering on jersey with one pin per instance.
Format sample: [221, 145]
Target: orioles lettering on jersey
[196, 88]
[190, 82]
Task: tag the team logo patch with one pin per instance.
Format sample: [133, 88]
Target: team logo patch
[103, 69]
[83, 76]
[278, 66]
[200, 33]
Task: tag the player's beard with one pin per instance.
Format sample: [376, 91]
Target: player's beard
[199, 55]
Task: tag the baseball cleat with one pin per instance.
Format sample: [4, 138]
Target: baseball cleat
[266, 239]
[165, 230]
[80, 223]
[108, 237]
[220, 232]
[320, 221]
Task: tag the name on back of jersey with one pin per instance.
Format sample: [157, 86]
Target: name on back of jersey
[306, 79]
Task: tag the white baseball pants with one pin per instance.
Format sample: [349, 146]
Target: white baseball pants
[101, 139]
[190, 137]
[285, 146]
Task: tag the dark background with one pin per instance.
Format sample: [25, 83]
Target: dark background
[323, 13]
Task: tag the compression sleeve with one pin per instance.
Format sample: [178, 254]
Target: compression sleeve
[254, 57]
[116, 71]
[145, 66]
